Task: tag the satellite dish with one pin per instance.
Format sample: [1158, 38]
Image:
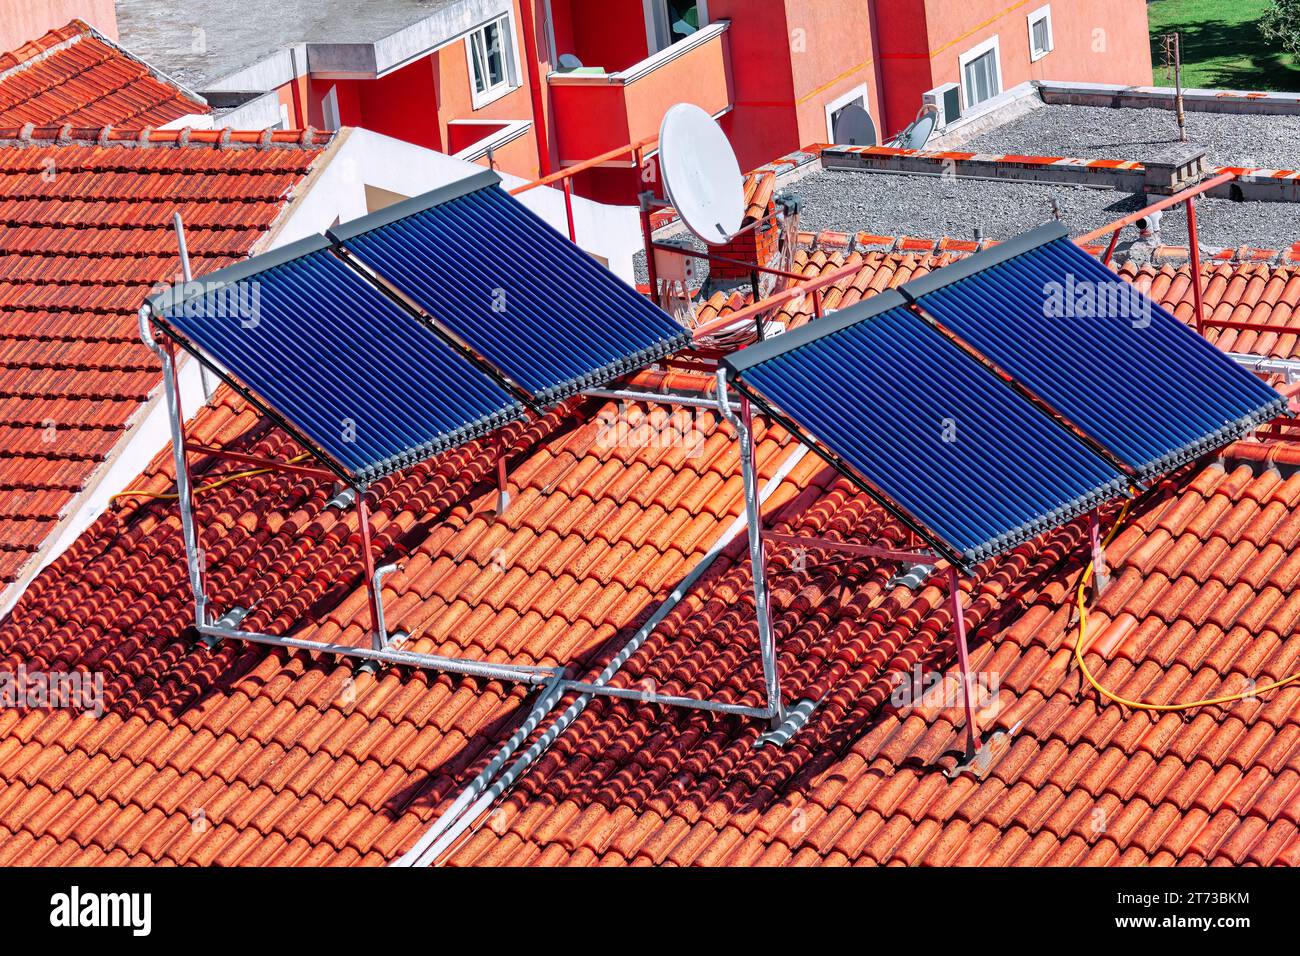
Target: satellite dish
[569, 62]
[922, 128]
[701, 174]
[853, 127]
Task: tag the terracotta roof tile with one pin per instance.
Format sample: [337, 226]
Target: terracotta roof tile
[73, 373]
[297, 761]
[73, 75]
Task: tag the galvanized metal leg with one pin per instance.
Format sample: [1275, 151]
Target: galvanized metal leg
[184, 485]
[959, 629]
[762, 605]
[368, 569]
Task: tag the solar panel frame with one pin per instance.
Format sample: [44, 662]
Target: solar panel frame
[867, 340]
[1156, 410]
[471, 295]
[383, 390]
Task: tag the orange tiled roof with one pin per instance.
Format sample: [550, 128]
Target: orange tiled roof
[75, 75]
[284, 759]
[296, 761]
[85, 232]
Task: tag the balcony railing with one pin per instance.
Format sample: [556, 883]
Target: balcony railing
[598, 112]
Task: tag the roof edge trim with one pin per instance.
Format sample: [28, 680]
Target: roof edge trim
[416, 204]
[965, 268]
[740, 362]
[181, 293]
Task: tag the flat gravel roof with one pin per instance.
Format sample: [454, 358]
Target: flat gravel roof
[1097, 132]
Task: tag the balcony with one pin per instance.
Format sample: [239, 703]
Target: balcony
[596, 112]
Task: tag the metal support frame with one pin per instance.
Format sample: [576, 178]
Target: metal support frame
[210, 381]
[503, 487]
[1100, 570]
[379, 649]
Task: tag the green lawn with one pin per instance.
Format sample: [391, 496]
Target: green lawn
[1222, 46]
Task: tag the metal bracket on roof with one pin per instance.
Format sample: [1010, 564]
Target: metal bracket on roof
[231, 619]
[796, 718]
[343, 499]
[979, 762]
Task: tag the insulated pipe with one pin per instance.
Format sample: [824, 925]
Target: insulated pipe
[377, 588]
[483, 790]
[171, 388]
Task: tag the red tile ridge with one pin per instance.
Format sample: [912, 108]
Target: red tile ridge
[67, 135]
[43, 45]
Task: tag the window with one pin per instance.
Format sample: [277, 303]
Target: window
[835, 109]
[668, 21]
[981, 73]
[493, 67]
[1040, 33]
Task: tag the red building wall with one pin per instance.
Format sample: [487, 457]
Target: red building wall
[922, 41]
[24, 20]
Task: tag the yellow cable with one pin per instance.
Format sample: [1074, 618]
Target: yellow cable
[1141, 704]
[220, 483]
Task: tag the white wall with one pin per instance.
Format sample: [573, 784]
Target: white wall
[367, 158]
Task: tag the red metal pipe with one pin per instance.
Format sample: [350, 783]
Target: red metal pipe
[1212, 183]
[260, 462]
[537, 83]
[368, 568]
[652, 268]
[714, 257]
[568, 209]
[794, 292]
[959, 629]
[1194, 246]
[1110, 249]
[586, 164]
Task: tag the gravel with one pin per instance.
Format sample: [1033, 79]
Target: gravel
[931, 208]
[1096, 132]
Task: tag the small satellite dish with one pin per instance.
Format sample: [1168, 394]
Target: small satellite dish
[701, 174]
[569, 62]
[853, 127]
[922, 128]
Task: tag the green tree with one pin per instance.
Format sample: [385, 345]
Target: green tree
[1281, 22]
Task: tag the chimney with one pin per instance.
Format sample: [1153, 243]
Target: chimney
[754, 244]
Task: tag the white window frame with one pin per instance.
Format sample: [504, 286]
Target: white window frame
[1042, 13]
[509, 56]
[657, 26]
[993, 43]
[857, 93]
